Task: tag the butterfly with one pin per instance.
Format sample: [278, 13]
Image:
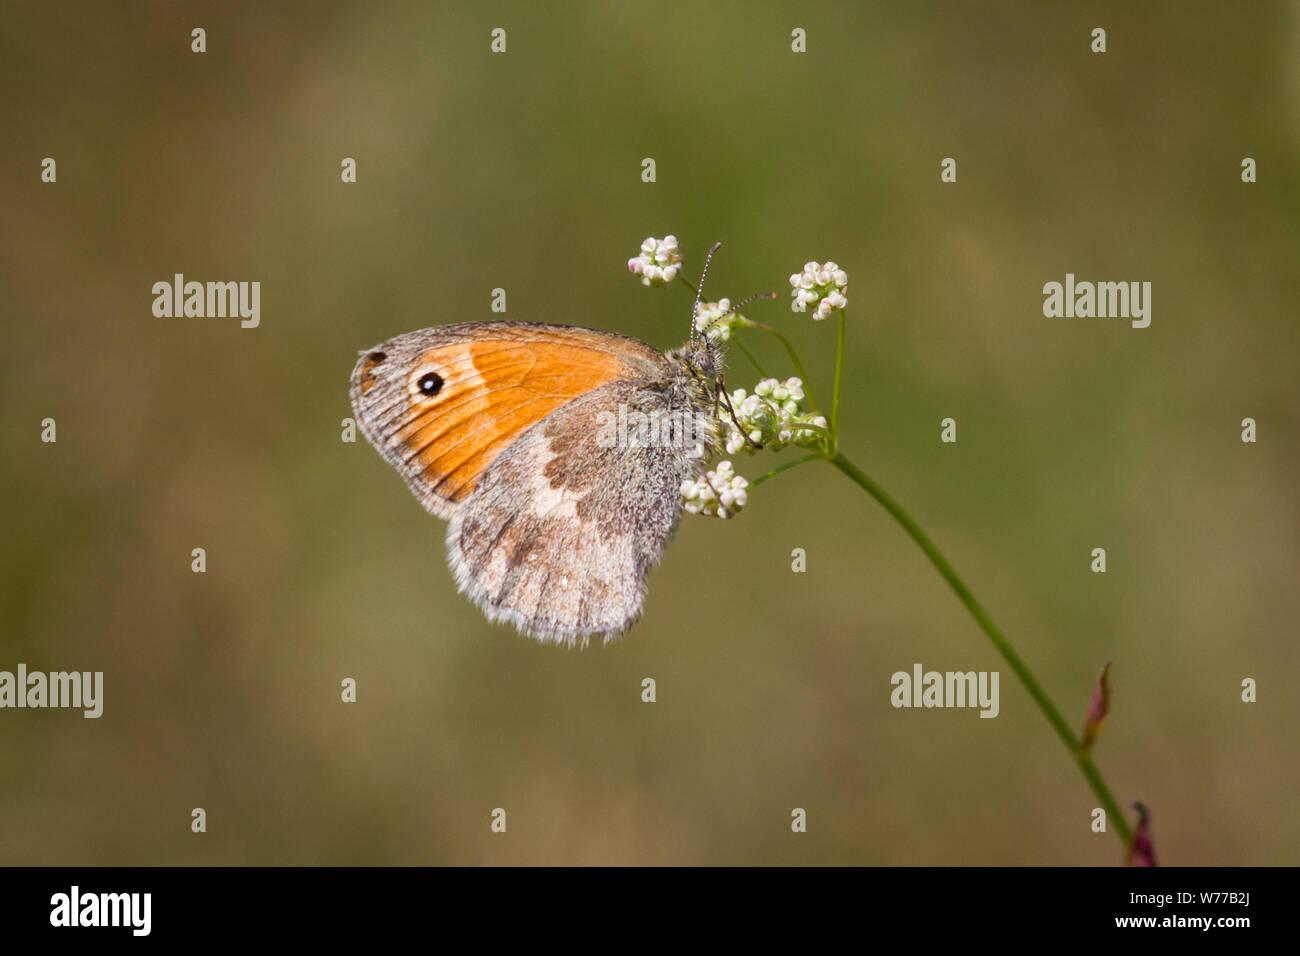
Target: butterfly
[556, 453]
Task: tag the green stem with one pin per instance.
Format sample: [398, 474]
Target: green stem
[794, 358]
[1072, 743]
[749, 355]
[785, 466]
[839, 376]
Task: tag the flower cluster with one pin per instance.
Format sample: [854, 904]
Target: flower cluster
[821, 285]
[712, 319]
[720, 493]
[659, 262]
[771, 417]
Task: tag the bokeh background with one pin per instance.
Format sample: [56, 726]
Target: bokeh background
[522, 171]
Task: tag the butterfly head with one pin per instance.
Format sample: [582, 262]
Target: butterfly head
[703, 357]
[703, 354]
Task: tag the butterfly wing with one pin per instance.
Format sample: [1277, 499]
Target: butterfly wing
[562, 528]
[442, 404]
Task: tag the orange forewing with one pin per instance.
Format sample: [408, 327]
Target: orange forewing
[493, 391]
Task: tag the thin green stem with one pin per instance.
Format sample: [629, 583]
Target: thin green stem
[839, 377]
[794, 358]
[1072, 743]
[785, 466]
[749, 355]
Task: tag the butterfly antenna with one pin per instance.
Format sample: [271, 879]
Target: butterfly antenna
[737, 307]
[740, 305]
[699, 290]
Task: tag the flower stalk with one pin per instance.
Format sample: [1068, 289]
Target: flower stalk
[1008, 653]
[772, 417]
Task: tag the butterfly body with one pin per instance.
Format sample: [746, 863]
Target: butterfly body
[556, 453]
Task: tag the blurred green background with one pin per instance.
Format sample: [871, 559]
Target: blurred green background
[522, 171]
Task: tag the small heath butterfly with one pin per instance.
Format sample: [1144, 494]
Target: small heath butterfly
[556, 453]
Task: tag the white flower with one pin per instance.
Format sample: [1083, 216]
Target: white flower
[770, 418]
[713, 320]
[659, 262]
[719, 493]
[822, 285]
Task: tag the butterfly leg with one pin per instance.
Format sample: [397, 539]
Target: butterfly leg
[720, 393]
[723, 510]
